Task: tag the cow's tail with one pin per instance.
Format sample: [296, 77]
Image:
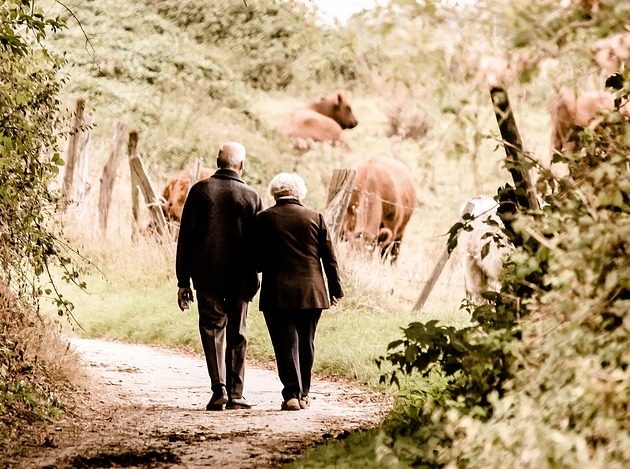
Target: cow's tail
[385, 236]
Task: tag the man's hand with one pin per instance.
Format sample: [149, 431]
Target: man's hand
[184, 298]
[333, 301]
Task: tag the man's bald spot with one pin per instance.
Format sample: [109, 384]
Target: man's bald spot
[231, 155]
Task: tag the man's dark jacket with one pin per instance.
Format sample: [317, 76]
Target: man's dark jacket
[292, 245]
[215, 241]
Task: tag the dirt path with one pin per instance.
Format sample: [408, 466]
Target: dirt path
[147, 409]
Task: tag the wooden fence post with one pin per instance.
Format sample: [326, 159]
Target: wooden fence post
[437, 268]
[339, 192]
[140, 179]
[196, 171]
[132, 147]
[75, 185]
[515, 160]
[109, 176]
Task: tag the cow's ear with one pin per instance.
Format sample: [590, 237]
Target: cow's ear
[339, 97]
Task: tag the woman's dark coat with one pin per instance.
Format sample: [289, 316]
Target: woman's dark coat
[292, 245]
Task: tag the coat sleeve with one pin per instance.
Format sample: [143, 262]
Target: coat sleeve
[253, 241]
[329, 260]
[259, 242]
[186, 240]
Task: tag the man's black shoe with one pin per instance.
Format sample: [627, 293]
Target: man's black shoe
[218, 399]
[240, 403]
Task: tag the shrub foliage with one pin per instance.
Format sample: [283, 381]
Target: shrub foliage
[30, 244]
[541, 378]
[29, 160]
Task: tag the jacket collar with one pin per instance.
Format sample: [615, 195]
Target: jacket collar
[223, 173]
[287, 201]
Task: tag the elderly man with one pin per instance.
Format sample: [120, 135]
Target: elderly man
[292, 245]
[214, 249]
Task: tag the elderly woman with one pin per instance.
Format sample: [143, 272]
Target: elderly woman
[293, 244]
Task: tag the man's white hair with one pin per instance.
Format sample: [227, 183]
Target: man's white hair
[287, 185]
[231, 154]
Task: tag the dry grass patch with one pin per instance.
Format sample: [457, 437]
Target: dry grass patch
[39, 373]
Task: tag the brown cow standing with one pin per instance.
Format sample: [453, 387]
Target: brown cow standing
[570, 110]
[611, 52]
[381, 204]
[176, 190]
[494, 70]
[322, 120]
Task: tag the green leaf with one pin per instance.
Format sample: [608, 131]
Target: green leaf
[611, 197]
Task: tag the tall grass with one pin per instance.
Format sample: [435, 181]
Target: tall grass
[132, 297]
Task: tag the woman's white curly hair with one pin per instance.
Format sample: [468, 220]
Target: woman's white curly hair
[287, 185]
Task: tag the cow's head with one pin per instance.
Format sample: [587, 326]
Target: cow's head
[337, 108]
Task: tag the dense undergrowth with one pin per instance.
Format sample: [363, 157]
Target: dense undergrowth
[541, 380]
[38, 376]
[35, 368]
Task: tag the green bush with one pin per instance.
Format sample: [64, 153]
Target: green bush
[29, 160]
[541, 379]
[31, 369]
[271, 42]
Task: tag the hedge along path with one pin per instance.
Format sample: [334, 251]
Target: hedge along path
[147, 408]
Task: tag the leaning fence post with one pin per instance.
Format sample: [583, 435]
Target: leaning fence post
[513, 145]
[339, 192]
[132, 146]
[438, 267]
[152, 202]
[196, 172]
[526, 194]
[109, 176]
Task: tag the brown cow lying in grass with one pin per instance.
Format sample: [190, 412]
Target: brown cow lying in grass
[381, 204]
[176, 190]
[482, 272]
[322, 120]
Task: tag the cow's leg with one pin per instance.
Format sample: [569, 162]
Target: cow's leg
[474, 279]
[370, 220]
[395, 250]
